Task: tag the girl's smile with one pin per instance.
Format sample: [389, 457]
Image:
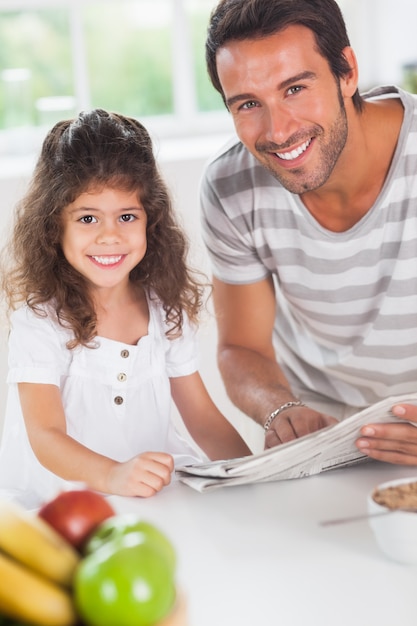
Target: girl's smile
[108, 261]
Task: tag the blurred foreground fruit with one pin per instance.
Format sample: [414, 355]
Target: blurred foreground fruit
[27, 596]
[128, 582]
[75, 514]
[8, 621]
[118, 526]
[36, 570]
[178, 616]
[30, 540]
[126, 577]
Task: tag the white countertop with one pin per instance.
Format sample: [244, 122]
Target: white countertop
[256, 555]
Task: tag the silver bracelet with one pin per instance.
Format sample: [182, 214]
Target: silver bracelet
[279, 410]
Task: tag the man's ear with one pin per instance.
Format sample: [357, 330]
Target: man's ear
[349, 82]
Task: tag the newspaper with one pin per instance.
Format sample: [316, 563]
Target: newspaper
[332, 447]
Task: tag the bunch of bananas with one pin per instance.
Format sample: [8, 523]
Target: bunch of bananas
[36, 570]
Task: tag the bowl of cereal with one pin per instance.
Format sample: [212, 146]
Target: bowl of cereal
[392, 508]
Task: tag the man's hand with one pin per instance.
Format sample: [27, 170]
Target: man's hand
[296, 422]
[392, 443]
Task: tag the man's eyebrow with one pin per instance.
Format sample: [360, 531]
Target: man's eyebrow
[307, 75]
[238, 98]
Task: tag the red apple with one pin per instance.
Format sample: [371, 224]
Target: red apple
[76, 514]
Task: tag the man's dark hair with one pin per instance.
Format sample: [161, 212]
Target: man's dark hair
[254, 19]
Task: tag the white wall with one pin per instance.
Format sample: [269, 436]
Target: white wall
[182, 175]
[383, 35]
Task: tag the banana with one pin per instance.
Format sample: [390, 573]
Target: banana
[27, 596]
[32, 541]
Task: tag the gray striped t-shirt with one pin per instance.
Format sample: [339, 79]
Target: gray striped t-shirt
[346, 324]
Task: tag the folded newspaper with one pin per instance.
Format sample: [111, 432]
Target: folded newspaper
[330, 448]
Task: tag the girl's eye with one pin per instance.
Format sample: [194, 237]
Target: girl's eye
[87, 219]
[128, 217]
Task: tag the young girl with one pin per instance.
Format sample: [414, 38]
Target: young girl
[103, 323]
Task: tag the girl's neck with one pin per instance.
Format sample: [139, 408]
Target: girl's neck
[124, 316]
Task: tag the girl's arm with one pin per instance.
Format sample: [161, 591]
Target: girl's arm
[207, 426]
[45, 422]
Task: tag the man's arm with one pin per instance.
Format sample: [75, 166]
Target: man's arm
[253, 379]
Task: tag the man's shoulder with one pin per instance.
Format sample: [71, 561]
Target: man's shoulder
[407, 138]
[382, 91]
[387, 92]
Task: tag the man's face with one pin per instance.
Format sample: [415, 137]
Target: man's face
[287, 107]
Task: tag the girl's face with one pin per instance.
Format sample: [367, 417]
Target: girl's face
[104, 236]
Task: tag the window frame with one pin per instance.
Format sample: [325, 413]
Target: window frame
[185, 121]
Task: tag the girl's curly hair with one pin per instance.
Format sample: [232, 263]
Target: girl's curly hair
[95, 150]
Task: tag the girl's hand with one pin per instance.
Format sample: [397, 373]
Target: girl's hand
[144, 475]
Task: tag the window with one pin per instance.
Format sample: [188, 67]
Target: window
[143, 58]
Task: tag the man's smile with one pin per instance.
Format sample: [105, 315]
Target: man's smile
[295, 153]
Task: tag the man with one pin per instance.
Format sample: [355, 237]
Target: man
[310, 219]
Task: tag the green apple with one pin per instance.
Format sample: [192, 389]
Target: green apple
[119, 526]
[128, 582]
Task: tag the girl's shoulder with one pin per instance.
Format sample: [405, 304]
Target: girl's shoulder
[41, 319]
[37, 343]
[36, 315]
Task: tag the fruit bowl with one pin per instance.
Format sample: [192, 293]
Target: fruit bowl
[395, 530]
